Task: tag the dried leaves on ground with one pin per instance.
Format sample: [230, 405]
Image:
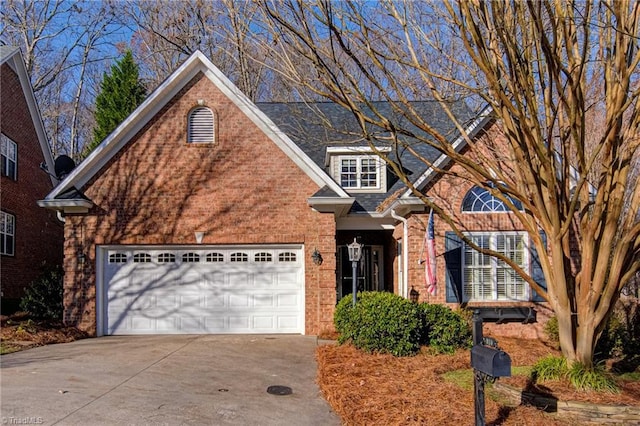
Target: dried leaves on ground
[375, 389]
[18, 332]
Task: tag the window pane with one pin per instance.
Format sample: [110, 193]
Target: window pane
[349, 173]
[190, 257]
[215, 257]
[369, 176]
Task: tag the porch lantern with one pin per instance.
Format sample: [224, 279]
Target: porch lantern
[355, 253]
[414, 295]
[316, 257]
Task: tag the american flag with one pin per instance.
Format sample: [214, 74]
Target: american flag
[430, 276]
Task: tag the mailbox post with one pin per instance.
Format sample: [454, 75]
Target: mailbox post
[488, 363]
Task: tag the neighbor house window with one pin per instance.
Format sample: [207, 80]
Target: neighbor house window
[7, 233]
[201, 126]
[487, 278]
[481, 200]
[359, 172]
[9, 157]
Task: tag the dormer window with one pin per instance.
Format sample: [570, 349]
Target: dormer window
[359, 172]
[357, 169]
[201, 126]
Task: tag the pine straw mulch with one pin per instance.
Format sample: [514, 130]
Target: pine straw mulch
[18, 333]
[376, 389]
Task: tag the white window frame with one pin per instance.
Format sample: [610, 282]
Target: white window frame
[201, 126]
[9, 151]
[359, 173]
[493, 266]
[8, 233]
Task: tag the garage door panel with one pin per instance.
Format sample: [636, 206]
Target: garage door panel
[263, 322]
[239, 323]
[238, 279]
[215, 301]
[288, 300]
[265, 279]
[239, 301]
[218, 290]
[263, 301]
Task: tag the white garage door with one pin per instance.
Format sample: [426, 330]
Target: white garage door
[229, 289]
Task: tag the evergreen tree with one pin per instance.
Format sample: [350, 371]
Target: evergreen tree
[121, 92]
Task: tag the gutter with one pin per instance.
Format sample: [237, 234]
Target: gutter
[405, 251]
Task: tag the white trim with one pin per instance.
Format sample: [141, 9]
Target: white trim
[102, 252]
[380, 175]
[352, 150]
[68, 206]
[197, 62]
[526, 264]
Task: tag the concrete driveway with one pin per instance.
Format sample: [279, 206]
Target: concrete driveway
[165, 380]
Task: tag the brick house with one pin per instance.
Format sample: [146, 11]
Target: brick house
[206, 213]
[29, 235]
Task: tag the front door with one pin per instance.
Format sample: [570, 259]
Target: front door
[369, 272]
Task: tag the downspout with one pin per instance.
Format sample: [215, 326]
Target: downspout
[405, 250]
[60, 217]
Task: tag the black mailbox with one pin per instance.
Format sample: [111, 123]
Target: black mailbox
[491, 361]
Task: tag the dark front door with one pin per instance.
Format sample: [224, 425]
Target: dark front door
[369, 271]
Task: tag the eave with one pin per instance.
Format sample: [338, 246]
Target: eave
[338, 206]
[67, 206]
[405, 205]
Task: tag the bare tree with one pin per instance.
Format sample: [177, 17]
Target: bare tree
[60, 42]
[534, 64]
[165, 34]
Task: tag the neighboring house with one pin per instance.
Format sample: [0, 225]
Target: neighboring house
[206, 213]
[29, 235]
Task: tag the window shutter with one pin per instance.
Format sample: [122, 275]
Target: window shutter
[536, 269]
[453, 261]
[201, 126]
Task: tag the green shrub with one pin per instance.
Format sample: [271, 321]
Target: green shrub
[612, 340]
[549, 368]
[380, 322]
[596, 378]
[551, 330]
[43, 298]
[443, 329]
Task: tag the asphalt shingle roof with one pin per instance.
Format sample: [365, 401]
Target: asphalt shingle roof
[317, 126]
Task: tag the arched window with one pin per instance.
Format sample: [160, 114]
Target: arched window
[480, 200]
[201, 126]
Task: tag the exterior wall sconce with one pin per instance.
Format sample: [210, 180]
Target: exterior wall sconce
[355, 253]
[81, 257]
[199, 236]
[316, 257]
[414, 295]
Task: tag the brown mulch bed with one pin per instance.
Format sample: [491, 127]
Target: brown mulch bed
[18, 332]
[367, 389]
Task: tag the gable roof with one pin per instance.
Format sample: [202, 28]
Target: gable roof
[315, 127]
[195, 64]
[12, 56]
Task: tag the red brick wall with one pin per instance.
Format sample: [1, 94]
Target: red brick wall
[38, 232]
[448, 191]
[241, 190]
